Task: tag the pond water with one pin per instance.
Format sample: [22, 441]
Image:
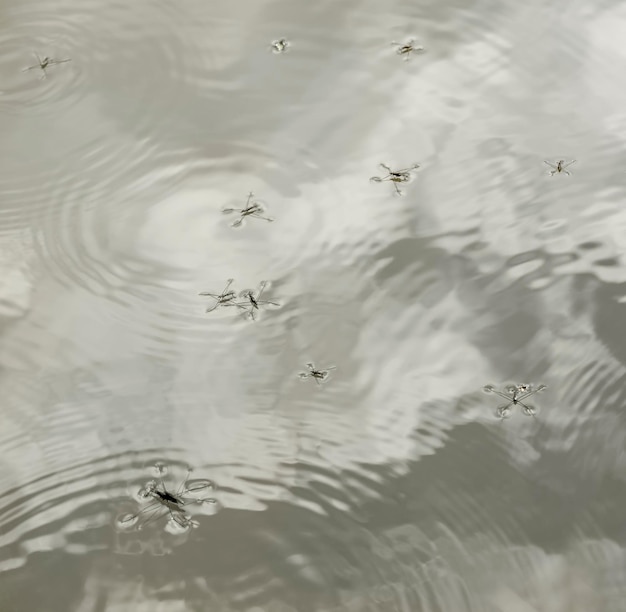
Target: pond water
[156, 456]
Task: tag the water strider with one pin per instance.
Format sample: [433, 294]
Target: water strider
[226, 298]
[45, 63]
[279, 46]
[165, 503]
[559, 166]
[514, 394]
[407, 48]
[318, 375]
[253, 209]
[253, 301]
[395, 176]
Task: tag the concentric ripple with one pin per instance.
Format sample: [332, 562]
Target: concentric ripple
[138, 84]
[84, 236]
[150, 47]
[27, 31]
[74, 509]
[99, 43]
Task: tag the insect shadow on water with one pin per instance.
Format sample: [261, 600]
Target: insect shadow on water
[168, 503]
[279, 46]
[407, 48]
[318, 375]
[44, 63]
[559, 167]
[395, 176]
[226, 298]
[253, 300]
[514, 395]
[251, 209]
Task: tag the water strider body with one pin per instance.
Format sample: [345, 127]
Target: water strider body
[252, 301]
[395, 176]
[514, 394]
[559, 167]
[253, 209]
[407, 48]
[45, 63]
[279, 46]
[165, 503]
[318, 375]
[226, 298]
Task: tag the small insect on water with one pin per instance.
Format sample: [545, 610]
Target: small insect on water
[251, 209]
[279, 46]
[514, 394]
[45, 63]
[318, 375]
[166, 503]
[559, 166]
[226, 298]
[407, 48]
[253, 300]
[395, 176]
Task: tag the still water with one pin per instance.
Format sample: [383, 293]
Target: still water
[386, 481]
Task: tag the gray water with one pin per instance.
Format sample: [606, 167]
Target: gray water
[392, 485]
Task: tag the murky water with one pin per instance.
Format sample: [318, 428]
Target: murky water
[389, 484]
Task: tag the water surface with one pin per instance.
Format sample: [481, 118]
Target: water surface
[392, 485]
